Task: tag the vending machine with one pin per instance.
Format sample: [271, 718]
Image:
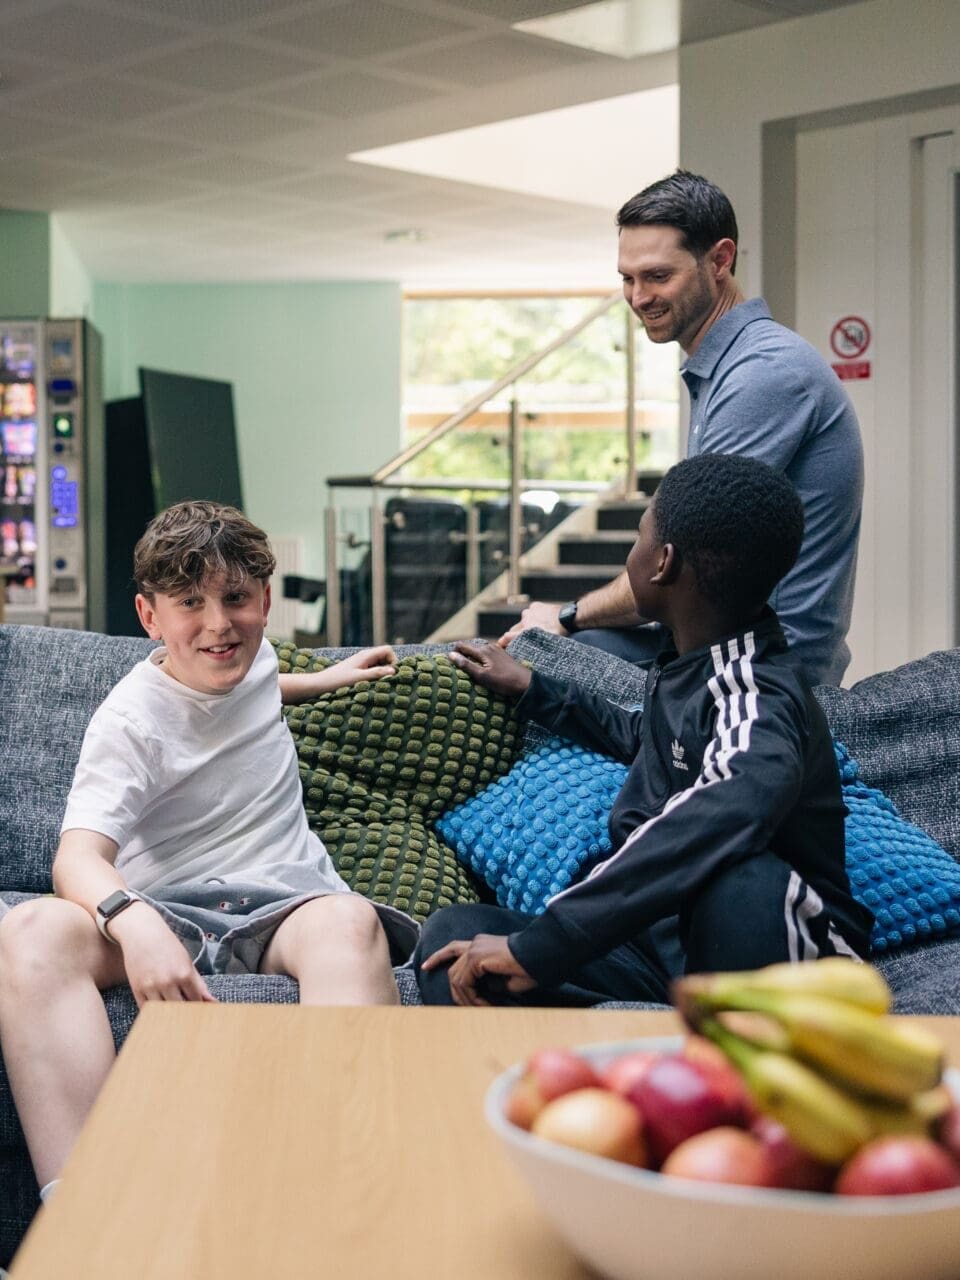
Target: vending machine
[52, 474]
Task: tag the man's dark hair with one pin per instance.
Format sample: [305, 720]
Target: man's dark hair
[695, 206]
[737, 522]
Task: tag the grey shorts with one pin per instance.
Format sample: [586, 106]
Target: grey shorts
[226, 926]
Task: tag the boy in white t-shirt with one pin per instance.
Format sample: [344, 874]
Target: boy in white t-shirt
[185, 848]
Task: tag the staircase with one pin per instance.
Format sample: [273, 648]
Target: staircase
[585, 561]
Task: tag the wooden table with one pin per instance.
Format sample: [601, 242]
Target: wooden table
[264, 1141]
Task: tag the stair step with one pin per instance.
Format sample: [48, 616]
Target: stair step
[494, 620]
[607, 547]
[566, 582]
[621, 515]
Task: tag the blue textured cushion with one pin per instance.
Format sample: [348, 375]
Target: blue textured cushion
[531, 833]
[535, 831]
[909, 882]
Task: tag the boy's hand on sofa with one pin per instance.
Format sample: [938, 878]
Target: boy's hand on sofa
[491, 667]
[366, 664]
[157, 964]
[471, 962]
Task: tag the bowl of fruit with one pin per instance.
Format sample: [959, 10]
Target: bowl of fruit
[794, 1131]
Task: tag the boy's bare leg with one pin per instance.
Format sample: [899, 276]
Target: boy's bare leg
[336, 949]
[56, 1037]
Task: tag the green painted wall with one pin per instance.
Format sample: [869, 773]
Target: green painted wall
[315, 369]
[24, 263]
[71, 288]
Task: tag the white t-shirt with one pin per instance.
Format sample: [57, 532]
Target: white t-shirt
[194, 786]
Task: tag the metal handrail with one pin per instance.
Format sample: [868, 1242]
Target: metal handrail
[515, 486]
[479, 400]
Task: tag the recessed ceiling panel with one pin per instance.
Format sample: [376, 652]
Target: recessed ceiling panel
[81, 36]
[105, 99]
[483, 62]
[360, 30]
[231, 169]
[222, 66]
[347, 93]
[226, 125]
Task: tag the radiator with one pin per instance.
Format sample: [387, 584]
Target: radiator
[286, 616]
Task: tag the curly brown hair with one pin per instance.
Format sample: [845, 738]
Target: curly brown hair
[192, 540]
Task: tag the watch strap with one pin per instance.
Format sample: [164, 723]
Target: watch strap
[111, 907]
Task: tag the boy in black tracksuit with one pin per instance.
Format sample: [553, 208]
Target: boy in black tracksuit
[731, 817]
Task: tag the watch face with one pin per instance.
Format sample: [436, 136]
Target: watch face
[110, 906]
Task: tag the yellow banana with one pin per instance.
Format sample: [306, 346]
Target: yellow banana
[915, 1118]
[821, 1118]
[833, 977]
[881, 1056]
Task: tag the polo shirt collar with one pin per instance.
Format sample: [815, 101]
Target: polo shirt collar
[719, 336]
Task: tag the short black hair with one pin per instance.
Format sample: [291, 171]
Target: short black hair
[694, 205]
[737, 522]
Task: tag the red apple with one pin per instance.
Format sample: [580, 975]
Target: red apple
[678, 1098]
[720, 1155]
[789, 1165]
[549, 1074]
[948, 1131]
[898, 1166]
[623, 1073]
[594, 1120]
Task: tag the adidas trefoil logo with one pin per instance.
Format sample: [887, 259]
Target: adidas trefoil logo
[678, 761]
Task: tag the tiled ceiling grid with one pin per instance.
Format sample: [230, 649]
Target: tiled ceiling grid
[208, 139]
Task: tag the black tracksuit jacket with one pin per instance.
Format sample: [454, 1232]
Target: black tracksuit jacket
[730, 756]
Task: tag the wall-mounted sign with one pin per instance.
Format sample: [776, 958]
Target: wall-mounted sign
[849, 339]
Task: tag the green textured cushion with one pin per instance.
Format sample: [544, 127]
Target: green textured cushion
[381, 760]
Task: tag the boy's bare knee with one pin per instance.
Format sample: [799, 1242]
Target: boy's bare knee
[45, 939]
[352, 917]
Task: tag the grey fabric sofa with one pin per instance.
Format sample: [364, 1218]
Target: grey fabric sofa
[903, 726]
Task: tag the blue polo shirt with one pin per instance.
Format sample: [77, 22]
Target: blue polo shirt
[758, 388]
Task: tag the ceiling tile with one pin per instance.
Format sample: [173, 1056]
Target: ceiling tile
[222, 66]
[20, 133]
[497, 58]
[212, 12]
[134, 189]
[82, 36]
[232, 170]
[226, 125]
[360, 30]
[347, 93]
[18, 73]
[520, 10]
[118, 151]
[103, 98]
[336, 186]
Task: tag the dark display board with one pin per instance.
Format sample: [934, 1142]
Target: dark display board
[176, 440]
[192, 438]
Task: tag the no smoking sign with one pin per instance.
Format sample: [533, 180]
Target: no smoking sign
[849, 340]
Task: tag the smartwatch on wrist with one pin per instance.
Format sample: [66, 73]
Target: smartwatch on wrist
[111, 907]
[567, 617]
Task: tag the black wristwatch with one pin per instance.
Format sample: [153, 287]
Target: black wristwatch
[111, 907]
[567, 617]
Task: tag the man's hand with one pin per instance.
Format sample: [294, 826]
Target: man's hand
[157, 964]
[546, 617]
[491, 667]
[471, 961]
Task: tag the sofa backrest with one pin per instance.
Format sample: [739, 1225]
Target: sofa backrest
[903, 729]
[902, 726]
[51, 682]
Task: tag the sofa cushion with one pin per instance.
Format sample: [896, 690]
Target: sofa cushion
[903, 728]
[532, 833]
[380, 760]
[51, 682]
[908, 881]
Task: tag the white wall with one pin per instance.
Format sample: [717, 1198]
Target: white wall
[811, 127]
[71, 289]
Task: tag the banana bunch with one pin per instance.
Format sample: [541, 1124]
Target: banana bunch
[817, 1052]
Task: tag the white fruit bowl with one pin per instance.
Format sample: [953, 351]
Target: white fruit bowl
[632, 1224]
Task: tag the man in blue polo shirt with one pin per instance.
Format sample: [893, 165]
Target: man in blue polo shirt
[755, 388]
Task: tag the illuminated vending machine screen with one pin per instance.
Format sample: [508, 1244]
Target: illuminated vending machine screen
[18, 468]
